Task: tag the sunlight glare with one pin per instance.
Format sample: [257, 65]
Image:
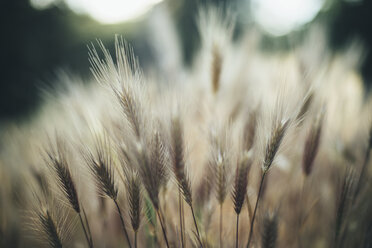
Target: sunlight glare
[105, 11]
[279, 17]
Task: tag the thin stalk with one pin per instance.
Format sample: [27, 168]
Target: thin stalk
[87, 226]
[362, 172]
[249, 208]
[162, 227]
[255, 208]
[196, 226]
[300, 219]
[122, 224]
[90, 244]
[183, 221]
[220, 225]
[135, 239]
[181, 216]
[237, 231]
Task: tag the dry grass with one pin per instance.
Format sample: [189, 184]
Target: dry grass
[157, 161]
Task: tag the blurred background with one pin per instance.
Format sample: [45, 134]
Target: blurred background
[39, 38]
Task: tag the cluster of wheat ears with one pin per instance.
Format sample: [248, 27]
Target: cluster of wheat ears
[243, 149]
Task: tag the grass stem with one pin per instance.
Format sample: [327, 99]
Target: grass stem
[255, 208]
[135, 239]
[89, 239]
[162, 227]
[180, 203]
[122, 223]
[237, 231]
[196, 226]
[220, 225]
[249, 208]
[362, 172]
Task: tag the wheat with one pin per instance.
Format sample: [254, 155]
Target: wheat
[58, 161]
[312, 145]
[240, 189]
[135, 202]
[194, 125]
[269, 233]
[102, 169]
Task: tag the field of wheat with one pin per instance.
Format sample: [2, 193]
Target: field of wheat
[242, 149]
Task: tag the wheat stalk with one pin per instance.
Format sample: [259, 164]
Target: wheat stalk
[135, 202]
[102, 169]
[306, 104]
[153, 170]
[58, 161]
[343, 203]
[240, 189]
[272, 148]
[269, 234]
[312, 145]
[179, 171]
[364, 165]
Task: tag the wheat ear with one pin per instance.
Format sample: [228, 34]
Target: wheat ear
[153, 171]
[49, 227]
[240, 189]
[221, 189]
[269, 233]
[179, 171]
[102, 169]
[216, 68]
[272, 148]
[343, 203]
[312, 145]
[135, 202]
[58, 161]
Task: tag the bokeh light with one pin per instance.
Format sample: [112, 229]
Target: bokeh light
[279, 17]
[105, 11]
